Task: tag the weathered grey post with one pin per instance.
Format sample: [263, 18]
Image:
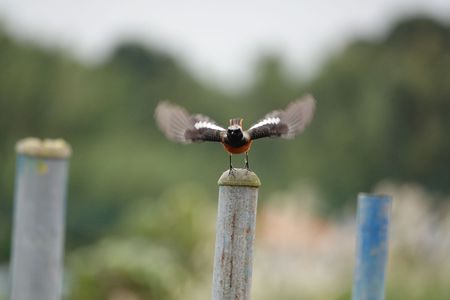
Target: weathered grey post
[39, 213]
[236, 220]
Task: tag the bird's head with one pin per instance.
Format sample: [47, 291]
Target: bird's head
[235, 129]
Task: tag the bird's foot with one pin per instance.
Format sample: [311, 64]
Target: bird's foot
[246, 162]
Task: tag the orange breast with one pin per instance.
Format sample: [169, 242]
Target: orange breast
[238, 150]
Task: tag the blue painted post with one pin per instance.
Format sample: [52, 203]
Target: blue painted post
[39, 209]
[373, 218]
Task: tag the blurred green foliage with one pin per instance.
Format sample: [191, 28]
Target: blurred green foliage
[156, 252]
[383, 112]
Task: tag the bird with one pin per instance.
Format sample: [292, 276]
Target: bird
[178, 125]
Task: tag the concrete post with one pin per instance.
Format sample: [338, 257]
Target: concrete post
[39, 213]
[236, 220]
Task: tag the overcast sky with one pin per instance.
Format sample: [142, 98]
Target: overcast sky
[217, 40]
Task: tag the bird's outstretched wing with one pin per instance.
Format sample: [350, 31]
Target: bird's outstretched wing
[180, 126]
[285, 123]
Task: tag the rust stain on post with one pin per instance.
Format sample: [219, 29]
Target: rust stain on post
[236, 220]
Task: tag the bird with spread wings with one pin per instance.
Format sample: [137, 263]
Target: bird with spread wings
[180, 126]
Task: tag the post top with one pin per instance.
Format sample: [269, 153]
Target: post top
[370, 196]
[46, 148]
[239, 177]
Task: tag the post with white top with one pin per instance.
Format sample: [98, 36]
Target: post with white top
[39, 214]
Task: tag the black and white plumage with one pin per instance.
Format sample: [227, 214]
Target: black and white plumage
[180, 126]
[285, 123]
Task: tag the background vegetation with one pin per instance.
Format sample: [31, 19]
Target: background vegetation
[141, 210]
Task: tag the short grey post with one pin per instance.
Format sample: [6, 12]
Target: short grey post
[236, 220]
[39, 214]
[373, 218]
